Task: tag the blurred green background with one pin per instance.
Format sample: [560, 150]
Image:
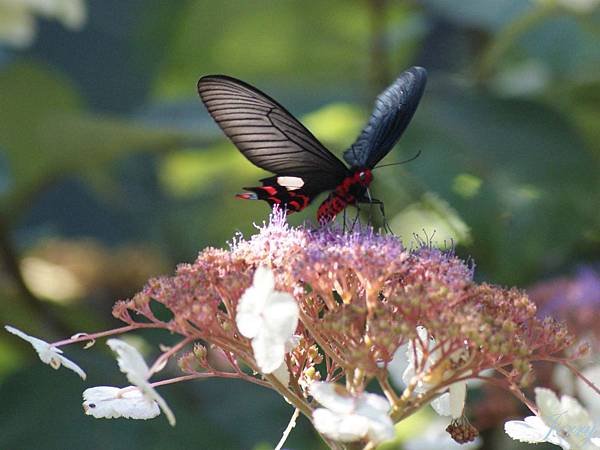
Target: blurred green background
[111, 171]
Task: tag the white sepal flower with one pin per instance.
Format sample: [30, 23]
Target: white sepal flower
[269, 318]
[107, 402]
[452, 403]
[435, 437]
[282, 374]
[561, 422]
[132, 364]
[588, 396]
[348, 418]
[48, 354]
[410, 356]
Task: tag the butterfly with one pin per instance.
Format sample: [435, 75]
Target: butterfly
[274, 140]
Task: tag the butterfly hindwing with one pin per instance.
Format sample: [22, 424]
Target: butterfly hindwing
[268, 135]
[393, 111]
[281, 190]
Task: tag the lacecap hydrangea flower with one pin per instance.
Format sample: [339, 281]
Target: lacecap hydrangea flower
[319, 314]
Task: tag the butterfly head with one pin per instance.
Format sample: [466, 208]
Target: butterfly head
[363, 177]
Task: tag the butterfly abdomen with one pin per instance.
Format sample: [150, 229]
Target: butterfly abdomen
[346, 193]
[332, 206]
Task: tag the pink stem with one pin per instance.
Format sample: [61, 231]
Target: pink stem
[94, 336]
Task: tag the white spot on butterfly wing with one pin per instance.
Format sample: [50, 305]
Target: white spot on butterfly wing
[290, 183]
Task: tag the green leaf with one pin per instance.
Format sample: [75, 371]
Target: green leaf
[46, 133]
[537, 183]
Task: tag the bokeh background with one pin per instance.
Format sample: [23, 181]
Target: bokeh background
[111, 171]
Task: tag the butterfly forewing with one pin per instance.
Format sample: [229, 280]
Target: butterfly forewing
[393, 111]
[268, 135]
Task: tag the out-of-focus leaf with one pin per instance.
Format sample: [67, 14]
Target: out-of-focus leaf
[538, 186]
[476, 13]
[523, 79]
[565, 46]
[187, 172]
[433, 221]
[46, 134]
[582, 105]
[336, 124]
[466, 185]
[330, 43]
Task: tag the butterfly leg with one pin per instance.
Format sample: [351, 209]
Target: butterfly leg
[374, 201]
[356, 218]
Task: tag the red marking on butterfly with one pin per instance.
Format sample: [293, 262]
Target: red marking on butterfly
[274, 140]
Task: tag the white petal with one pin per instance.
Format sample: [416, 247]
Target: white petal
[135, 368]
[458, 394]
[547, 402]
[588, 396]
[381, 429]
[264, 279]
[48, 354]
[151, 394]
[247, 320]
[441, 404]
[281, 315]
[249, 314]
[375, 408]
[292, 343]
[435, 437]
[248, 317]
[282, 374]
[111, 402]
[269, 353]
[562, 377]
[564, 415]
[398, 365]
[332, 396]
[534, 428]
[423, 334]
[369, 404]
[130, 361]
[574, 415]
[526, 431]
[341, 427]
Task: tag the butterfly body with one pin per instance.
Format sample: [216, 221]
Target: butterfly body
[352, 189]
[274, 140]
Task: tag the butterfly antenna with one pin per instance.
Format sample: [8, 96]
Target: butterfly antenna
[400, 162]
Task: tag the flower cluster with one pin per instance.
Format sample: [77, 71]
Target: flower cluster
[299, 309]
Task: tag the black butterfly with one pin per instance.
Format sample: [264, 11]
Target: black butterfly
[274, 140]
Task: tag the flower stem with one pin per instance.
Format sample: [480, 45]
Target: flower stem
[288, 429]
[92, 337]
[162, 359]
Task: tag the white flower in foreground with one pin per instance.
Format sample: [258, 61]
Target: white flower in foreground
[17, 21]
[134, 367]
[350, 418]
[269, 318]
[561, 422]
[411, 356]
[107, 402]
[47, 353]
[435, 437]
[588, 396]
